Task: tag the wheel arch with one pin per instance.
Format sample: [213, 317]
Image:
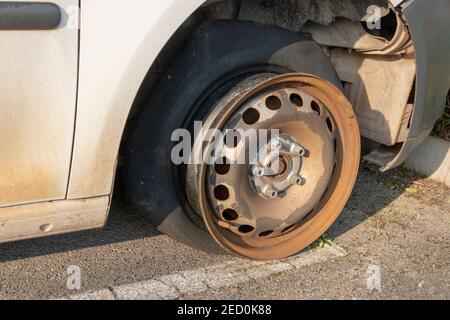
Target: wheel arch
[429, 31]
[112, 80]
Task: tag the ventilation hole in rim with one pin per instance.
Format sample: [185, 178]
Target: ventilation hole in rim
[222, 166]
[246, 229]
[232, 138]
[330, 125]
[221, 193]
[273, 103]
[335, 146]
[316, 108]
[296, 100]
[251, 116]
[265, 233]
[288, 228]
[230, 215]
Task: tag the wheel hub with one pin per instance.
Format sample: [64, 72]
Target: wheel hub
[277, 168]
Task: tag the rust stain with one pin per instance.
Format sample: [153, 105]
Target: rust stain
[26, 184]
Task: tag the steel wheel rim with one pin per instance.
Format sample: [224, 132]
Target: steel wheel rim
[288, 238]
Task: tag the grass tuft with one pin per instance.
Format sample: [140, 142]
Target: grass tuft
[442, 128]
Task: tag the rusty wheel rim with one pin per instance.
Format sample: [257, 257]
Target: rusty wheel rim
[311, 218]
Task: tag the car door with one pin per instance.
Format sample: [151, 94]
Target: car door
[38, 84]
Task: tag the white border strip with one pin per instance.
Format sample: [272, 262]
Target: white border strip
[229, 274]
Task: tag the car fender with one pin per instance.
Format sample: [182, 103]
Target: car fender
[119, 41]
[429, 27]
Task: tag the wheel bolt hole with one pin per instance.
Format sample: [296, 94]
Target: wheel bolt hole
[273, 103]
[251, 116]
[222, 166]
[221, 193]
[265, 233]
[230, 215]
[246, 229]
[296, 100]
[316, 108]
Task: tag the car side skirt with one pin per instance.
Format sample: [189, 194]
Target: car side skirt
[51, 218]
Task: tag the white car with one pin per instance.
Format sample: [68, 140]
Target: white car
[91, 88]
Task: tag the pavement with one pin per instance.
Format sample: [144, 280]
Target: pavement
[391, 242]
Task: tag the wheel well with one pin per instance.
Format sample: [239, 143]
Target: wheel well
[318, 18]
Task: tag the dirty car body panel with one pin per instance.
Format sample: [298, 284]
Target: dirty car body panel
[67, 93]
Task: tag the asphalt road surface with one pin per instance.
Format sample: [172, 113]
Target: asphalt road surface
[391, 242]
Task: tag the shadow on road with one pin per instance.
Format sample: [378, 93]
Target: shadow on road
[370, 196]
[373, 193]
[123, 225]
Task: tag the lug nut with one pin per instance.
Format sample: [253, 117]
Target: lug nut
[301, 152]
[298, 180]
[298, 151]
[276, 144]
[258, 172]
[270, 192]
